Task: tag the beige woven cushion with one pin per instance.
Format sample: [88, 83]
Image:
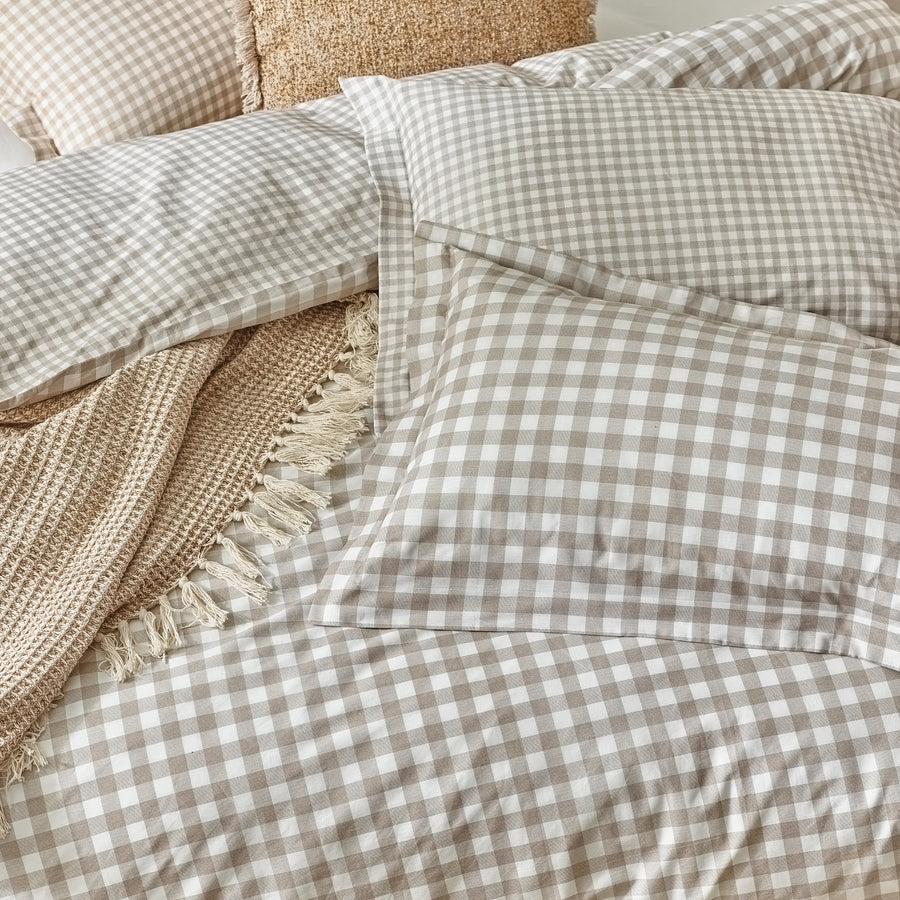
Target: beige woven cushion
[295, 50]
[95, 71]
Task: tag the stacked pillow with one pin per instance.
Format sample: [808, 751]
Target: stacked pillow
[638, 358]
[128, 248]
[83, 72]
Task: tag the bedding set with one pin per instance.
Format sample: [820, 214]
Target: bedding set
[523, 431]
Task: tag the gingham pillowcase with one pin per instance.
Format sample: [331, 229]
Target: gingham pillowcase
[122, 250]
[836, 45]
[587, 64]
[100, 72]
[588, 465]
[26, 127]
[785, 198]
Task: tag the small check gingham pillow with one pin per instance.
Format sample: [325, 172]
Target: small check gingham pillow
[583, 464]
[97, 72]
[126, 249]
[834, 45]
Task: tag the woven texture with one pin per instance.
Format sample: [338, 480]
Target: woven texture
[613, 464]
[98, 72]
[110, 494]
[295, 50]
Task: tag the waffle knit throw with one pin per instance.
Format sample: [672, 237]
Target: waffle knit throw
[111, 495]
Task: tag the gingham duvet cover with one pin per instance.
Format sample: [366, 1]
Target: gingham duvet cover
[280, 758]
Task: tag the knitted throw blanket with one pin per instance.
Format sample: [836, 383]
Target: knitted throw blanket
[112, 494]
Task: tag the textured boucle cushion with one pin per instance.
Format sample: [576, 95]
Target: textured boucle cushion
[295, 50]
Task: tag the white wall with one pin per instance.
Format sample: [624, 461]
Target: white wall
[621, 18]
[13, 152]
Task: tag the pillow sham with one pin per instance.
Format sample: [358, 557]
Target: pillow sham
[837, 45]
[588, 465]
[785, 198]
[126, 249]
[99, 72]
[122, 250]
[295, 50]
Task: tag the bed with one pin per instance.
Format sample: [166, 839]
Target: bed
[522, 433]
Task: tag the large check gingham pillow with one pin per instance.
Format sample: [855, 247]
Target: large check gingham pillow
[776, 197]
[584, 464]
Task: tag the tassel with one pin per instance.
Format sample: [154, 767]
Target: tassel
[113, 661]
[256, 591]
[283, 512]
[245, 561]
[258, 526]
[293, 490]
[168, 629]
[24, 758]
[312, 452]
[134, 662]
[28, 756]
[202, 605]
[362, 322]
[349, 400]
[157, 645]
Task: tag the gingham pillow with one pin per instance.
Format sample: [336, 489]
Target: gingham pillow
[126, 249]
[786, 198]
[583, 464]
[836, 45]
[96, 72]
[131, 248]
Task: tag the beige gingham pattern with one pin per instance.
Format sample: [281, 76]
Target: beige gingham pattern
[22, 120]
[647, 214]
[585, 65]
[196, 233]
[98, 71]
[832, 45]
[277, 759]
[126, 249]
[588, 465]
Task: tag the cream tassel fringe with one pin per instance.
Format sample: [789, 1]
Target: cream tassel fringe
[247, 55]
[312, 440]
[243, 559]
[23, 759]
